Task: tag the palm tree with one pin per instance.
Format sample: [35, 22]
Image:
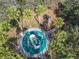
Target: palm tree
[27, 14]
[59, 22]
[12, 13]
[21, 6]
[39, 10]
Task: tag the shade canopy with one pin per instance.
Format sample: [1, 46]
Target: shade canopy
[34, 42]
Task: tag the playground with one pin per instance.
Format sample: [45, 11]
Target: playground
[39, 29]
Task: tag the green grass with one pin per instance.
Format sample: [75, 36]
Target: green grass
[1, 25]
[34, 24]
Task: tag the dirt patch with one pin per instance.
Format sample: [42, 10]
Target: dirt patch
[11, 33]
[51, 14]
[33, 22]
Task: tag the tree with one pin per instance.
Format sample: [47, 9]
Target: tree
[27, 13]
[58, 46]
[21, 7]
[39, 9]
[12, 12]
[59, 22]
[65, 45]
[6, 53]
[69, 11]
[72, 42]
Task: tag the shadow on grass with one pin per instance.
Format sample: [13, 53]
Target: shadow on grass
[12, 48]
[11, 43]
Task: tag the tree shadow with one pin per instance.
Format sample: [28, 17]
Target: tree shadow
[69, 16]
[13, 23]
[11, 43]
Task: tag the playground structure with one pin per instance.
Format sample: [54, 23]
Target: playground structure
[33, 43]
